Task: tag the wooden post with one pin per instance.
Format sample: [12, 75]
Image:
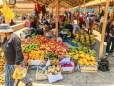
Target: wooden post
[99, 9]
[57, 17]
[5, 11]
[84, 7]
[49, 14]
[14, 14]
[103, 29]
[79, 13]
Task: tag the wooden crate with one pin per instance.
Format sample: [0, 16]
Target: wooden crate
[54, 62]
[88, 69]
[68, 72]
[40, 77]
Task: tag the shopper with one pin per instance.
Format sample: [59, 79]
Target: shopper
[91, 22]
[11, 46]
[110, 38]
[12, 23]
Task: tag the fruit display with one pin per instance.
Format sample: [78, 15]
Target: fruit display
[1, 79]
[48, 45]
[2, 62]
[51, 56]
[83, 55]
[67, 65]
[87, 60]
[36, 55]
[29, 47]
[1, 69]
[42, 73]
[84, 39]
[55, 69]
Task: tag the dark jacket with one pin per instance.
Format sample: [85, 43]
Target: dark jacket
[12, 50]
[112, 30]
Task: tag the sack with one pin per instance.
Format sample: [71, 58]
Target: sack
[19, 73]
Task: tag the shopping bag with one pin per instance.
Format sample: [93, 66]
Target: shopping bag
[19, 73]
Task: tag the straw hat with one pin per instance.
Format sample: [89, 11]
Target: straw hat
[5, 28]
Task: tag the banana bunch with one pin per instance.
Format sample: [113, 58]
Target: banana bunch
[77, 37]
[1, 79]
[92, 39]
[82, 39]
[87, 41]
[86, 59]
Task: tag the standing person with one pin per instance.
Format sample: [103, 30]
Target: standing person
[91, 23]
[110, 40]
[11, 46]
[82, 22]
[12, 22]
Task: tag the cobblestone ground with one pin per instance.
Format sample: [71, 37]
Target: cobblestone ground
[82, 79]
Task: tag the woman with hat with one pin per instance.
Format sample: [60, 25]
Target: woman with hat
[11, 46]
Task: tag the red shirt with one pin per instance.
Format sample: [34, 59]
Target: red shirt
[81, 20]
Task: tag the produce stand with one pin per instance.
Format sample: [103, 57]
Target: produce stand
[38, 46]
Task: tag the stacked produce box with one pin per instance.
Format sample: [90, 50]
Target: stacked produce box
[85, 58]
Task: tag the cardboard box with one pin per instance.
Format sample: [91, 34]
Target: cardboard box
[54, 62]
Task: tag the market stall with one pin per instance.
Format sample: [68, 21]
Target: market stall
[52, 57]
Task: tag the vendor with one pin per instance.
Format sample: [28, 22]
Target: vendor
[73, 28]
[33, 25]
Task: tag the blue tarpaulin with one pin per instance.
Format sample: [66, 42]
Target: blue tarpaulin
[70, 42]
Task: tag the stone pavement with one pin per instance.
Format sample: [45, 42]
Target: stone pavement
[81, 79]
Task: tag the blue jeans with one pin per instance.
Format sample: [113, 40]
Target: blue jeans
[31, 28]
[111, 43]
[9, 69]
[77, 28]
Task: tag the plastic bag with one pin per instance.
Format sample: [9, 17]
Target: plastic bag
[19, 73]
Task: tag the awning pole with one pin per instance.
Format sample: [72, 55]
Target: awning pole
[57, 17]
[103, 29]
[79, 13]
[84, 7]
[5, 11]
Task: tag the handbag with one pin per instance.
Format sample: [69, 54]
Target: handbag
[107, 38]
